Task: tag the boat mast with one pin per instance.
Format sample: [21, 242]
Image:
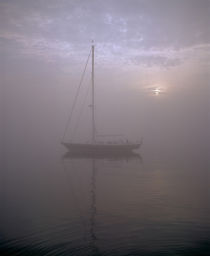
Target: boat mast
[93, 98]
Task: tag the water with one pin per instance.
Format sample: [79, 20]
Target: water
[154, 204]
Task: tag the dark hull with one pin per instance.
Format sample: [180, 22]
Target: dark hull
[97, 149]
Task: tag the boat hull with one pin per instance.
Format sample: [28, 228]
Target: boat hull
[101, 148]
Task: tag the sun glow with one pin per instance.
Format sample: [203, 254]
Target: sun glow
[156, 91]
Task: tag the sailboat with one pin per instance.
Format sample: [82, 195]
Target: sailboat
[94, 147]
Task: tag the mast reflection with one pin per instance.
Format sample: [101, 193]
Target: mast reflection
[93, 187]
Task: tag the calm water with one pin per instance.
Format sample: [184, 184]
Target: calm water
[154, 204]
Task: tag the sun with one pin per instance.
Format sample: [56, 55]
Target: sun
[156, 91]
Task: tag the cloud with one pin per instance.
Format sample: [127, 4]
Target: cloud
[151, 33]
[160, 61]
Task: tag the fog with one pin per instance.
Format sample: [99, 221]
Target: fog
[140, 46]
[152, 62]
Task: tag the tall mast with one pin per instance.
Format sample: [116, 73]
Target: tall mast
[93, 97]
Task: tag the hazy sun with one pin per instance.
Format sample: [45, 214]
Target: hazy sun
[156, 91]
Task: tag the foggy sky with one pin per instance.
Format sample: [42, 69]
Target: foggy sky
[158, 31]
[140, 46]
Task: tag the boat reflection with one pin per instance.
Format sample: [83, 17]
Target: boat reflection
[93, 159]
[107, 156]
[93, 210]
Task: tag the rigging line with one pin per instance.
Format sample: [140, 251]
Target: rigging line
[75, 99]
[81, 110]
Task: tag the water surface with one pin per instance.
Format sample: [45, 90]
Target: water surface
[154, 204]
